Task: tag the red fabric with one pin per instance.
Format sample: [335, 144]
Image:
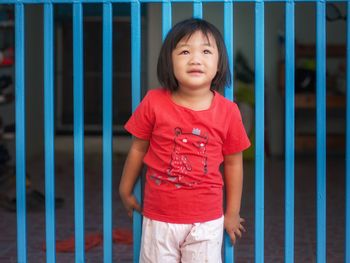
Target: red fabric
[92, 240]
[122, 236]
[7, 59]
[68, 245]
[183, 181]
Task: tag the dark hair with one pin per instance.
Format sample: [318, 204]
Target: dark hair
[183, 29]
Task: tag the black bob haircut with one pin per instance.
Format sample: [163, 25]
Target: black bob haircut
[183, 29]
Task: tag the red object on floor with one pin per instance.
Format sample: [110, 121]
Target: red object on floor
[6, 57]
[68, 245]
[92, 240]
[122, 236]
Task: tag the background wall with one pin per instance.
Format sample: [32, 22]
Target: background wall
[33, 87]
[243, 41]
[305, 31]
[34, 81]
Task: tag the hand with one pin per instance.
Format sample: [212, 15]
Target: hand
[233, 226]
[130, 203]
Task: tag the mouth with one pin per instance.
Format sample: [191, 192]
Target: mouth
[195, 71]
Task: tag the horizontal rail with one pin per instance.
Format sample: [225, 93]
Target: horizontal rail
[154, 1]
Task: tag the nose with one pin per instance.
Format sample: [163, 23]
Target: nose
[195, 59]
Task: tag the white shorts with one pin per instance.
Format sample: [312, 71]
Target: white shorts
[174, 243]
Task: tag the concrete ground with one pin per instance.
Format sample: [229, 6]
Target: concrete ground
[305, 208]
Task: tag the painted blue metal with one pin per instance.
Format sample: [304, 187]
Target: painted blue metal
[157, 1]
[166, 18]
[347, 149]
[78, 98]
[259, 132]
[228, 37]
[289, 132]
[64, 12]
[136, 98]
[107, 130]
[228, 249]
[321, 129]
[197, 9]
[49, 133]
[20, 134]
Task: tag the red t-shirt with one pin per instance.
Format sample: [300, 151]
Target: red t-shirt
[183, 181]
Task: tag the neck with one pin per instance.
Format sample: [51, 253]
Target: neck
[194, 99]
[193, 95]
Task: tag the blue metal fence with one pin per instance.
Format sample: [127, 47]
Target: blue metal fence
[289, 144]
[107, 131]
[49, 132]
[136, 97]
[20, 135]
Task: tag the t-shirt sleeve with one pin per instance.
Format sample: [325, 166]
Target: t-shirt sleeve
[236, 137]
[141, 121]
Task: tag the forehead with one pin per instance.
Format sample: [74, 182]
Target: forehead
[198, 37]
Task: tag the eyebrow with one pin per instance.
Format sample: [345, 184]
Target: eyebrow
[186, 45]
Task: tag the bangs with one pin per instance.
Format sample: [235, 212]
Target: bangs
[206, 34]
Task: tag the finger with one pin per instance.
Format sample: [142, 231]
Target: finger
[233, 239]
[137, 207]
[238, 233]
[135, 204]
[232, 236]
[241, 220]
[134, 207]
[242, 228]
[130, 213]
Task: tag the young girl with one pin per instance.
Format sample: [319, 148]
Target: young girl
[183, 132]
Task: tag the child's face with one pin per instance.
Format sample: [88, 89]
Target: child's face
[195, 61]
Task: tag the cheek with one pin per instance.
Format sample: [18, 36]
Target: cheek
[177, 67]
[215, 67]
[213, 64]
[176, 70]
[217, 63]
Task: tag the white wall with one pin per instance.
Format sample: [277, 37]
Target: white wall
[244, 40]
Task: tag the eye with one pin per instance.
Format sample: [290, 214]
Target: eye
[184, 140]
[207, 51]
[184, 52]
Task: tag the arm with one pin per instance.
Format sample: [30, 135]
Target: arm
[131, 171]
[233, 176]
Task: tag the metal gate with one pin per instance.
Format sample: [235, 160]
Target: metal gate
[136, 96]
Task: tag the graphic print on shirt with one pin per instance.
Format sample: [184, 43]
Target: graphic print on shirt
[189, 153]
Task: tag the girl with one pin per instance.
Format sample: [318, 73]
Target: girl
[183, 132]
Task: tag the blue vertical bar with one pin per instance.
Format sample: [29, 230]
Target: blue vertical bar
[49, 133]
[136, 98]
[289, 133]
[78, 130]
[107, 129]
[228, 37]
[347, 153]
[321, 129]
[259, 131]
[198, 9]
[347, 157]
[166, 18]
[20, 135]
